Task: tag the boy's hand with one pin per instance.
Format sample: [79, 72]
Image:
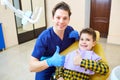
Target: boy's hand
[77, 59]
[61, 78]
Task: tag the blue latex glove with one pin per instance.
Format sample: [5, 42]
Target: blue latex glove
[74, 34]
[56, 59]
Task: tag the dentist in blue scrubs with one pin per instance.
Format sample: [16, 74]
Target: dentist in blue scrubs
[45, 56]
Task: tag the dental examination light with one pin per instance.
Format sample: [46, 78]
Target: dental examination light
[27, 16]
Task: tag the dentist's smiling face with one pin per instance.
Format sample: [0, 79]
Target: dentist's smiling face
[61, 19]
[86, 41]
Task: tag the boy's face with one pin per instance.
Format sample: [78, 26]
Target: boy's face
[61, 19]
[86, 42]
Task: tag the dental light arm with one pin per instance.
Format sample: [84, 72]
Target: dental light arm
[26, 16]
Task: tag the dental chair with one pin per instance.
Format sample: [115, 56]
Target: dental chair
[98, 49]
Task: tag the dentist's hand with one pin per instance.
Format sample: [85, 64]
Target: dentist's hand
[56, 59]
[74, 34]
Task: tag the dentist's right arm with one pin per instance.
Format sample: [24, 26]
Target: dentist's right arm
[56, 60]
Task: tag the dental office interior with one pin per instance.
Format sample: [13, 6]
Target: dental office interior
[19, 39]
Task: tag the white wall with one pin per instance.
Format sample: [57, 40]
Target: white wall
[9, 29]
[87, 13]
[114, 27]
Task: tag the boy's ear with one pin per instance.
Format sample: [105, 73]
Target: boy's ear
[94, 43]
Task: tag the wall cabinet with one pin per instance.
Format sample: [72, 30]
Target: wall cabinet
[2, 43]
[30, 31]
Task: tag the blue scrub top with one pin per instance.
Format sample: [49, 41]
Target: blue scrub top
[46, 46]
